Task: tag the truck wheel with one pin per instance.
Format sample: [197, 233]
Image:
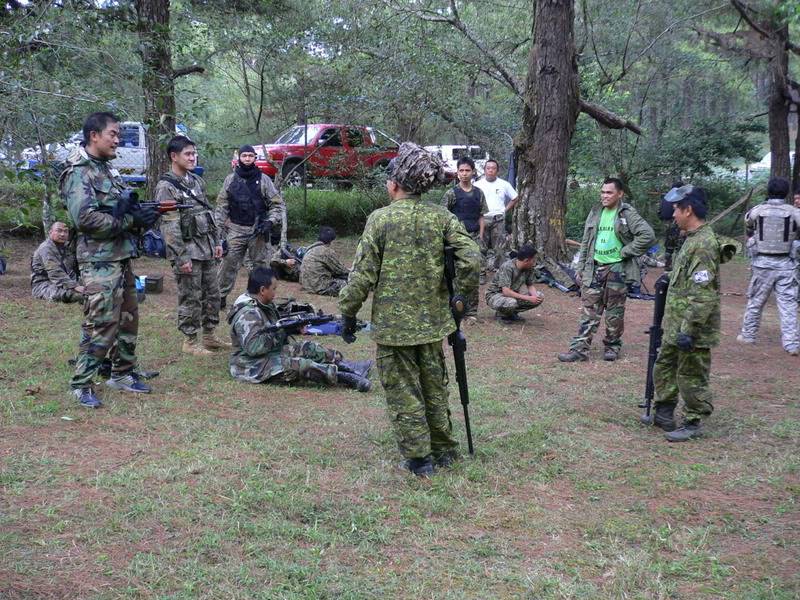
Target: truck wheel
[293, 174]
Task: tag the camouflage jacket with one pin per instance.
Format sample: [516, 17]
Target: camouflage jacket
[274, 202]
[256, 355]
[320, 267]
[510, 276]
[632, 230]
[190, 233]
[54, 263]
[693, 301]
[401, 258]
[90, 189]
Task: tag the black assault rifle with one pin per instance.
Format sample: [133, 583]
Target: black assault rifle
[656, 332]
[457, 340]
[297, 322]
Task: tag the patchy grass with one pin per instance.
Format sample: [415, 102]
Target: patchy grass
[212, 489]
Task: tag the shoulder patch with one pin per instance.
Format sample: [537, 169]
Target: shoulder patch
[701, 277]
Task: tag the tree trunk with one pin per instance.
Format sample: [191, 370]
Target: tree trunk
[796, 166]
[158, 84]
[778, 104]
[549, 116]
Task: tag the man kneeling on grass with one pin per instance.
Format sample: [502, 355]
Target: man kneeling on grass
[262, 356]
[511, 291]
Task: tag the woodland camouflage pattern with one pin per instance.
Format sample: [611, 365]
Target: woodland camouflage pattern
[259, 356]
[510, 276]
[54, 273]
[692, 308]
[322, 272]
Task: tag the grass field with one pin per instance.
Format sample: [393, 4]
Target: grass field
[209, 488]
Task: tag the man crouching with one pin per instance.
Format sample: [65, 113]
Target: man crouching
[262, 356]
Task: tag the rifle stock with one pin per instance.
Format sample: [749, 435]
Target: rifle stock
[457, 339]
[656, 332]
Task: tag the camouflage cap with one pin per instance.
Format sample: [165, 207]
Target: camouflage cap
[415, 169]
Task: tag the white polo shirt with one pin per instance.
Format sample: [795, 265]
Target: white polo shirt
[498, 194]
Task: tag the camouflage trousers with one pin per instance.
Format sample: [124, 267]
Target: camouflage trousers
[308, 361]
[685, 373]
[762, 283]
[112, 317]
[198, 297]
[473, 298]
[53, 293]
[606, 292]
[334, 287]
[240, 242]
[506, 306]
[415, 381]
[495, 238]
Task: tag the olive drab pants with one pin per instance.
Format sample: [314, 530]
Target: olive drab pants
[414, 379]
[111, 317]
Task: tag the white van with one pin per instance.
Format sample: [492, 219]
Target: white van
[451, 153]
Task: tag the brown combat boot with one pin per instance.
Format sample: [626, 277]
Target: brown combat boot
[192, 346]
[210, 342]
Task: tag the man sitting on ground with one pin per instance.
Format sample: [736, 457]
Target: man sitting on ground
[54, 268]
[266, 356]
[511, 290]
[322, 272]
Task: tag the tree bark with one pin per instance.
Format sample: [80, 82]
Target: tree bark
[552, 104]
[778, 104]
[158, 84]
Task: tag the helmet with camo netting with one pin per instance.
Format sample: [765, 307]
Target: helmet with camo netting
[415, 169]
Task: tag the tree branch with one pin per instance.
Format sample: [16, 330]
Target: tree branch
[607, 118]
[187, 71]
[744, 11]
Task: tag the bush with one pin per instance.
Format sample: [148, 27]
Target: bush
[20, 201]
[345, 211]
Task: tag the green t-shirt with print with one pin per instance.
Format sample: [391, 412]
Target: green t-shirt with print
[607, 246]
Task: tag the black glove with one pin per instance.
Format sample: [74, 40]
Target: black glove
[143, 217]
[123, 206]
[685, 342]
[224, 245]
[349, 328]
[265, 228]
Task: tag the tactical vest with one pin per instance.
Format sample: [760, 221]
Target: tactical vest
[244, 205]
[467, 208]
[775, 229]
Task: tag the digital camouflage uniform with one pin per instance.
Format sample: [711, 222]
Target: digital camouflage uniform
[400, 257]
[242, 239]
[91, 189]
[773, 272]
[449, 201]
[693, 308]
[54, 273]
[322, 272]
[259, 356]
[605, 287]
[510, 276]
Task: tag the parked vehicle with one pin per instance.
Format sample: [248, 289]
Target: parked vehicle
[335, 151]
[762, 167]
[131, 160]
[450, 154]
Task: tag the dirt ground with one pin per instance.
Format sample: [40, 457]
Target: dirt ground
[568, 496]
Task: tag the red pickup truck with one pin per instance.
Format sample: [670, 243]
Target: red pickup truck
[335, 151]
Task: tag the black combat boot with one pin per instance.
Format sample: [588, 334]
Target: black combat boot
[421, 467]
[664, 417]
[359, 367]
[572, 356]
[690, 430]
[446, 459]
[353, 380]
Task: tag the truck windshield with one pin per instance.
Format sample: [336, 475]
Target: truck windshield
[294, 135]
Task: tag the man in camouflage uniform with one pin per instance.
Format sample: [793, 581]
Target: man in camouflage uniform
[322, 272]
[262, 356]
[287, 269]
[614, 237]
[468, 203]
[691, 319]
[772, 228]
[54, 268]
[796, 245]
[511, 290]
[193, 247]
[249, 208]
[400, 257]
[105, 220]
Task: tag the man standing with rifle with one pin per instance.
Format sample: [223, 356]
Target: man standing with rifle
[106, 222]
[401, 258]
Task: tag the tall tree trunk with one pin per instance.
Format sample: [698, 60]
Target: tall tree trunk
[796, 165]
[549, 116]
[158, 84]
[778, 103]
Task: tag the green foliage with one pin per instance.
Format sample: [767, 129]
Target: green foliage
[345, 211]
[20, 201]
